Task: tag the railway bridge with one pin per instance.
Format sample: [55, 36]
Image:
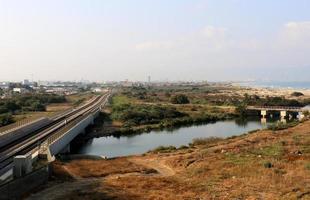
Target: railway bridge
[44, 138]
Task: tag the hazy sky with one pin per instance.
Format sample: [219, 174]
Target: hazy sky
[167, 39]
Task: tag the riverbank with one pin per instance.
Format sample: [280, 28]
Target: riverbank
[261, 165]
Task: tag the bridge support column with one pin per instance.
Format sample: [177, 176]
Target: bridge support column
[22, 165]
[263, 113]
[283, 114]
[301, 115]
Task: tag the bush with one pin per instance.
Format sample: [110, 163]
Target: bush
[271, 101]
[6, 119]
[282, 126]
[268, 165]
[205, 141]
[183, 147]
[241, 110]
[163, 149]
[179, 99]
[144, 114]
[297, 94]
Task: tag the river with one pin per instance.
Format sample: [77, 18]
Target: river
[137, 144]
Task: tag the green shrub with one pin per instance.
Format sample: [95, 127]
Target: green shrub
[6, 119]
[163, 149]
[297, 94]
[281, 126]
[183, 147]
[205, 141]
[144, 114]
[179, 99]
[241, 110]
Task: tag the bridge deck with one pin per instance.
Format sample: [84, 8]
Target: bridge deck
[276, 108]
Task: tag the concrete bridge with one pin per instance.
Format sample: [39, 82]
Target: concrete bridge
[284, 110]
[47, 139]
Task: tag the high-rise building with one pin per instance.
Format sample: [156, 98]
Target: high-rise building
[26, 82]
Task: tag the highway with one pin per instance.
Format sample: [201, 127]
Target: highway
[32, 141]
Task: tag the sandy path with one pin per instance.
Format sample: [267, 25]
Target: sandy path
[154, 163]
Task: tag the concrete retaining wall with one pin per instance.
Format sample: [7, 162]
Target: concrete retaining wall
[17, 188]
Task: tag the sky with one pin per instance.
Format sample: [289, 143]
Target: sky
[190, 40]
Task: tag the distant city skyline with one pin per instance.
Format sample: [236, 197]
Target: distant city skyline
[213, 40]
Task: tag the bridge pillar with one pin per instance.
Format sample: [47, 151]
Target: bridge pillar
[283, 114]
[300, 115]
[22, 165]
[263, 113]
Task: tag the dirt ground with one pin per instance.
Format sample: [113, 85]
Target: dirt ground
[260, 165]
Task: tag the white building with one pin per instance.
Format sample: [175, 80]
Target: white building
[20, 90]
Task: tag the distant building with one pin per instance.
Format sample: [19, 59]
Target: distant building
[97, 90]
[20, 90]
[26, 82]
[4, 85]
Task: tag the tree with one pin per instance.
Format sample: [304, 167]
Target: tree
[37, 106]
[180, 99]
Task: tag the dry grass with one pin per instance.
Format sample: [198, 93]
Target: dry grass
[56, 107]
[102, 168]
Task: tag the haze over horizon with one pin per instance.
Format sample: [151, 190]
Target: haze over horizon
[168, 40]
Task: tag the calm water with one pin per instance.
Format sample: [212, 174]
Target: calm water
[138, 144]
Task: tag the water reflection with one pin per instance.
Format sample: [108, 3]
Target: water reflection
[283, 120]
[263, 121]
